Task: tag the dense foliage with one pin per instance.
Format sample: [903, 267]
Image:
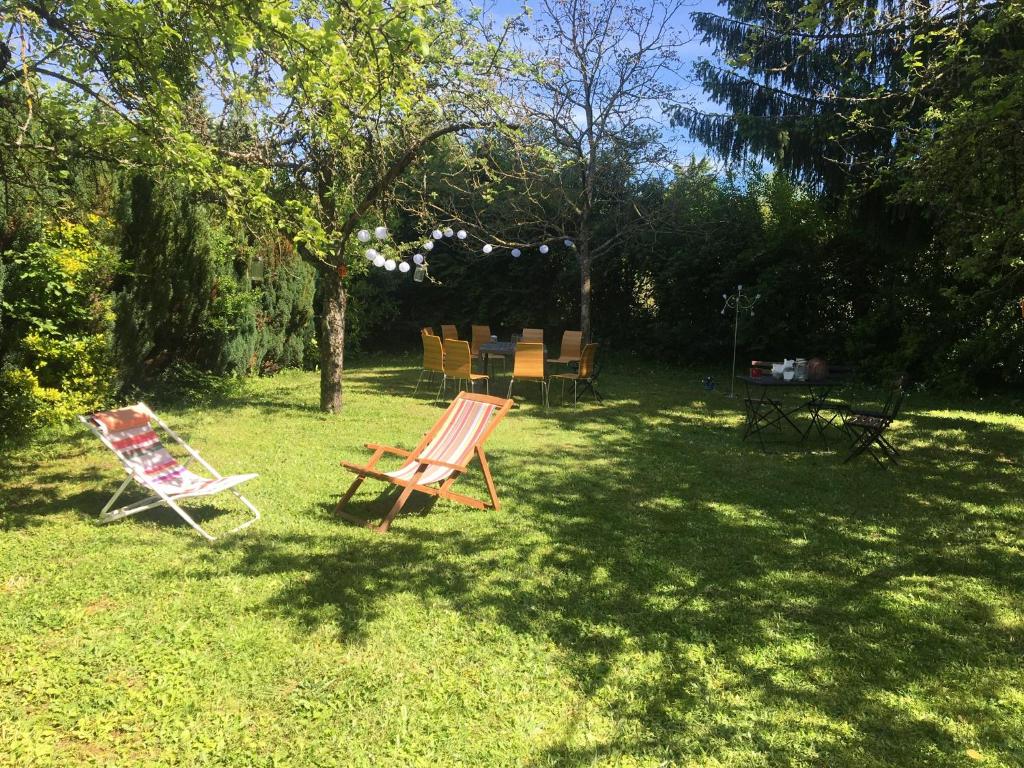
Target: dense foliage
[174, 212]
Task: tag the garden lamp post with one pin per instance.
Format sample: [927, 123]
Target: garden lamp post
[739, 302]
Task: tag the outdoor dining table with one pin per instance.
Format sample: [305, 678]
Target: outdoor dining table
[501, 349]
[767, 409]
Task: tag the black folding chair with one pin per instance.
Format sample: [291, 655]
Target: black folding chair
[868, 428]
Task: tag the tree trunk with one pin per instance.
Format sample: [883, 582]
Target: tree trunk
[583, 258]
[332, 343]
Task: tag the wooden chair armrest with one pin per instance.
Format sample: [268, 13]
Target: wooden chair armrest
[388, 449]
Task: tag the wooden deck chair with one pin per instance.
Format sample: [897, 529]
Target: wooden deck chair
[441, 457]
[458, 365]
[433, 360]
[571, 350]
[586, 374]
[529, 366]
[449, 332]
[129, 433]
[533, 334]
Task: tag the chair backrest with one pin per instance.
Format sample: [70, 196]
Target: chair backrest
[457, 359]
[449, 332]
[533, 334]
[467, 423]
[572, 344]
[529, 362]
[433, 353]
[129, 433]
[894, 401]
[427, 330]
[480, 334]
[587, 369]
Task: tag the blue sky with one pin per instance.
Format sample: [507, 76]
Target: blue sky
[676, 137]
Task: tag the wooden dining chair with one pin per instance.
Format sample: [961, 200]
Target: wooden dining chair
[458, 365]
[433, 359]
[529, 366]
[427, 330]
[587, 374]
[533, 334]
[571, 350]
[481, 334]
[449, 332]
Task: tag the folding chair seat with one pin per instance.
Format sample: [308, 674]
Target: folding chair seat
[868, 427]
[129, 433]
[441, 457]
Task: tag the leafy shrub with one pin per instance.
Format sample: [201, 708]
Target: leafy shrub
[55, 339]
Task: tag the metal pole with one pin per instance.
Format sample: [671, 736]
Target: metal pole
[735, 337]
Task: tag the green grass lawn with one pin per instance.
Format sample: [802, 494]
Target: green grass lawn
[653, 592]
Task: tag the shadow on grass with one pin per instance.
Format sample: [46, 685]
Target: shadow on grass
[720, 602]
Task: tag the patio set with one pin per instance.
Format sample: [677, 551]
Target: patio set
[779, 394]
[451, 359]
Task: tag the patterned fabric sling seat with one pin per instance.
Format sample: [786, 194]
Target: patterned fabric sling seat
[130, 434]
[132, 437]
[464, 424]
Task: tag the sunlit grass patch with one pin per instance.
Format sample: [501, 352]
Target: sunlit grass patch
[654, 591]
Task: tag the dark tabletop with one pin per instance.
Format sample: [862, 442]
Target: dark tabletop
[771, 381]
[501, 348]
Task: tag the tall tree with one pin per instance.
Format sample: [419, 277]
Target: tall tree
[300, 114]
[603, 70]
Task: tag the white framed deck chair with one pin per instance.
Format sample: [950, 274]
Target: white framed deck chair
[442, 456]
[129, 433]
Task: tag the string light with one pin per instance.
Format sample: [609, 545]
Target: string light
[420, 259]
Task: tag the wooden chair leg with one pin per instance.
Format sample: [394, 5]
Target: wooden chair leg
[395, 509]
[487, 476]
[349, 493]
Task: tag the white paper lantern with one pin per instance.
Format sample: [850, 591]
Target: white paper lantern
[461, 234]
[568, 243]
[448, 232]
[381, 233]
[488, 248]
[378, 261]
[363, 236]
[543, 249]
[371, 254]
[436, 234]
[418, 258]
[516, 253]
[390, 265]
[428, 246]
[403, 266]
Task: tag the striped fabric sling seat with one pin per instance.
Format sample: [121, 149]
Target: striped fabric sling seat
[130, 434]
[440, 458]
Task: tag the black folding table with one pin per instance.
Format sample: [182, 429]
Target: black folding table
[767, 409]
